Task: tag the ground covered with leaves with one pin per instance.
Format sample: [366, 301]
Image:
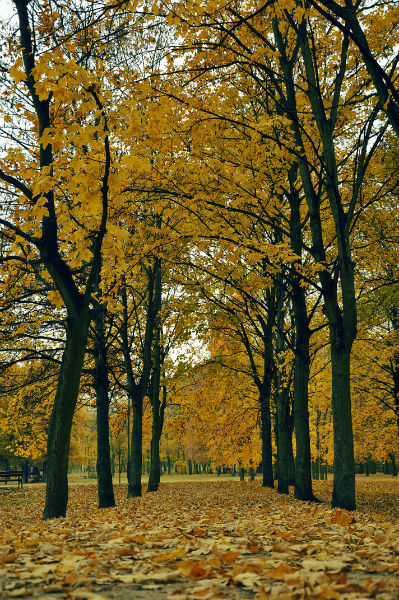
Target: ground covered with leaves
[202, 540]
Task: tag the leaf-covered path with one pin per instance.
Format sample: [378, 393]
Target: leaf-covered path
[201, 540]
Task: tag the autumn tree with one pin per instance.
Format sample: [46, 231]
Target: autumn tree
[66, 163]
[218, 413]
[26, 392]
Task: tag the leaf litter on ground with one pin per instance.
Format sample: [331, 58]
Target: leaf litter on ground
[201, 540]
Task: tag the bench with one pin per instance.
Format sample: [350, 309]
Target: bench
[12, 475]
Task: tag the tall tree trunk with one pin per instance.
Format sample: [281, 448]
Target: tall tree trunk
[101, 384]
[317, 464]
[285, 466]
[394, 316]
[266, 435]
[263, 382]
[393, 464]
[155, 386]
[340, 311]
[136, 446]
[59, 432]
[129, 415]
[342, 329]
[303, 460]
[26, 467]
[155, 470]
[283, 429]
[344, 461]
[137, 391]
[155, 465]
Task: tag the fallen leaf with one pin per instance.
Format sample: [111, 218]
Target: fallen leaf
[169, 556]
[333, 566]
[329, 594]
[343, 517]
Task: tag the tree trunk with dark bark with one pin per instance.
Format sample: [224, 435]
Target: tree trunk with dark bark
[283, 425]
[158, 406]
[137, 390]
[394, 317]
[136, 448]
[106, 497]
[285, 464]
[344, 460]
[303, 460]
[59, 433]
[155, 468]
[393, 464]
[266, 434]
[339, 302]
[303, 464]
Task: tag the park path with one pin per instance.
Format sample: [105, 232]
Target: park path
[201, 540]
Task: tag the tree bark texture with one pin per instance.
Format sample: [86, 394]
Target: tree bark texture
[303, 461]
[59, 432]
[283, 425]
[344, 461]
[136, 448]
[155, 387]
[266, 434]
[285, 458]
[105, 489]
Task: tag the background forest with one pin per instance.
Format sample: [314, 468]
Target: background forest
[199, 241]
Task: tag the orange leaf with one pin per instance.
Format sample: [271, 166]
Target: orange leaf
[343, 517]
[280, 571]
[203, 592]
[329, 594]
[342, 579]
[127, 550]
[198, 572]
[70, 578]
[226, 557]
[139, 539]
[169, 556]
